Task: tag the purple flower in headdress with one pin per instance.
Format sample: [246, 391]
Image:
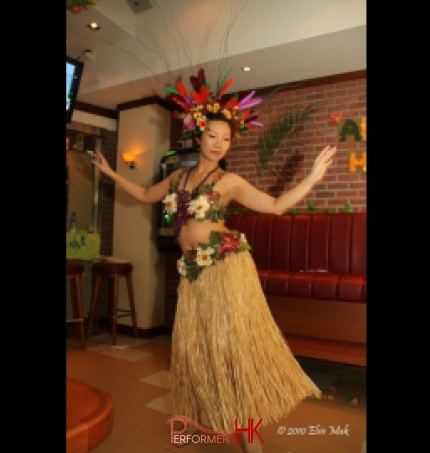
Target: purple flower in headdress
[250, 119]
[247, 102]
[189, 123]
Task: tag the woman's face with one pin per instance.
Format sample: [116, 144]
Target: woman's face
[215, 140]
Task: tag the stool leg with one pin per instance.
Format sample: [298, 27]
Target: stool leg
[132, 305]
[114, 307]
[93, 305]
[79, 311]
[74, 295]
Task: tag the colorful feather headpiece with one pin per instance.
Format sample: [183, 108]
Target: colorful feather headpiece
[201, 102]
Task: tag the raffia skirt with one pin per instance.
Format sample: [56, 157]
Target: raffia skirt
[229, 359]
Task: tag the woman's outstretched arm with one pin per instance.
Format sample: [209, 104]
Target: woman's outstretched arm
[259, 201]
[145, 195]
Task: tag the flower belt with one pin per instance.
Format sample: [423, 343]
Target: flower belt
[220, 243]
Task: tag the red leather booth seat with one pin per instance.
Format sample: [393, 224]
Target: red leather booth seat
[312, 269]
[321, 256]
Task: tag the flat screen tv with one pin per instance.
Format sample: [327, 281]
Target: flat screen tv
[74, 69]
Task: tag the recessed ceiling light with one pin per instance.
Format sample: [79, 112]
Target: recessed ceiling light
[246, 68]
[94, 26]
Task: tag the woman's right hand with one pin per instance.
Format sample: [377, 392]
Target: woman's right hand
[101, 163]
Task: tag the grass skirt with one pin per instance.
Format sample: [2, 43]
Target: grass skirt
[229, 358]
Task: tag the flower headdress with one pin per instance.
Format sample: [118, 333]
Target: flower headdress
[201, 102]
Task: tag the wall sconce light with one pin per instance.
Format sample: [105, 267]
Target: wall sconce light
[129, 160]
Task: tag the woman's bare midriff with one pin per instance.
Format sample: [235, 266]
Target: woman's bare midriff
[195, 232]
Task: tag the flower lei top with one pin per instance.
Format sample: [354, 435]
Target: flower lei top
[202, 203]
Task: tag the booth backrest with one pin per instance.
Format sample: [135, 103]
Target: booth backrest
[305, 242]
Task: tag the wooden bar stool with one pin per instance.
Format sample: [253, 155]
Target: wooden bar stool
[74, 273]
[112, 269]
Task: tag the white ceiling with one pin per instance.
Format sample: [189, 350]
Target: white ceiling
[145, 45]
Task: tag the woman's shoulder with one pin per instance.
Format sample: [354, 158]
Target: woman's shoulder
[231, 177]
[229, 182]
[176, 174]
[178, 171]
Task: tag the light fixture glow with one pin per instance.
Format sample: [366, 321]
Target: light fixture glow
[129, 160]
[94, 26]
[246, 69]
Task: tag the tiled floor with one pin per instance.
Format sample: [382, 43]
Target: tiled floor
[135, 373]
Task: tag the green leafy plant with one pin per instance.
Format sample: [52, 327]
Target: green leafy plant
[276, 134]
[312, 207]
[347, 207]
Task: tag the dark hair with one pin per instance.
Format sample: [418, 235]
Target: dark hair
[220, 117]
[223, 163]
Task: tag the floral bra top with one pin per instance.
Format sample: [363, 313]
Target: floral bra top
[202, 203]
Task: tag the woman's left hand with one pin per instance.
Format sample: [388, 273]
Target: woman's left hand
[322, 162]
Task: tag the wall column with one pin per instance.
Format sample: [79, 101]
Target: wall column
[144, 131]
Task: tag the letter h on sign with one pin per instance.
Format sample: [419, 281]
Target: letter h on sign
[355, 162]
